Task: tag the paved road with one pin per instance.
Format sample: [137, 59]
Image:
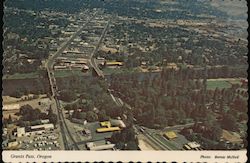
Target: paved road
[64, 45]
[178, 127]
[156, 139]
[92, 59]
[66, 135]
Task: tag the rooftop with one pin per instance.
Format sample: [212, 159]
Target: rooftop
[170, 135]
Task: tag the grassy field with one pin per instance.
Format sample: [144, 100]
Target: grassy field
[218, 84]
[221, 83]
[67, 73]
[22, 76]
[120, 70]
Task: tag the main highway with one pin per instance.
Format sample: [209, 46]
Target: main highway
[156, 140]
[49, 63]
[92, 59]
[66, 135]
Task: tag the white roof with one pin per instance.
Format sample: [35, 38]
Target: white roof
[46, 126]
[45, 121]
[193, 144]
[11, 107]
[117, 122]
[20, 130]
[102, 147]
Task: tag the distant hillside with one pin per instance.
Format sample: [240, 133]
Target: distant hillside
[237, 9]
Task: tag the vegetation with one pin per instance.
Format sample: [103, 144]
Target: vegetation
[174, 97]
[218, 84]
[30, 116]
[125, 140]
[31, 75]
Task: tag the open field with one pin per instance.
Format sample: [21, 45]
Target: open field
[42, 103]
[120, 70]
[22, 76]
[218, 84]
[67, 73]
[221, 83]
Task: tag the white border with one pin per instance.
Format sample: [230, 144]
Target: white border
[125, 156]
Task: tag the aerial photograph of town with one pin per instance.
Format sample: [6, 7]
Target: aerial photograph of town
[116, 75]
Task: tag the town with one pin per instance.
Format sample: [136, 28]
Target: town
[90, 76]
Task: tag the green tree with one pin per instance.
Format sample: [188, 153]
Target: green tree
[229, 122]
[91, 116]
[52, 117]
[82, 115]
[67, 95]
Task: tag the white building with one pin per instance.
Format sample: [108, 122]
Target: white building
[99, 146]
[33, 130]
[20, 131]
[43, 121]
[45, 126]
[12, 144]
[11, 107]
[118, 123]
[193, 145]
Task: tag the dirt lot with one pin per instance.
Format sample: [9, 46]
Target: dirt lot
[11, 101]
[144, 145]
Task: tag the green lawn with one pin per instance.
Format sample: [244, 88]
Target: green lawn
[119, 70]
[67, 73]
[22, 76]
[218, 84]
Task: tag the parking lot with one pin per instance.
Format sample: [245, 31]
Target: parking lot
[94, 136]
[97, 136]
[47, 141]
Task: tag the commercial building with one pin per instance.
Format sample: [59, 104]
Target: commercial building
[117, 123]
[32, 130]
[114, 64]
[106, 127]
[192, 146]
[105, 124]
[9, 107]
[12, 144]
[20, 131]
[100, 145]
[44, 121]
[170, 135]
[45, 126]
[109, 129]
